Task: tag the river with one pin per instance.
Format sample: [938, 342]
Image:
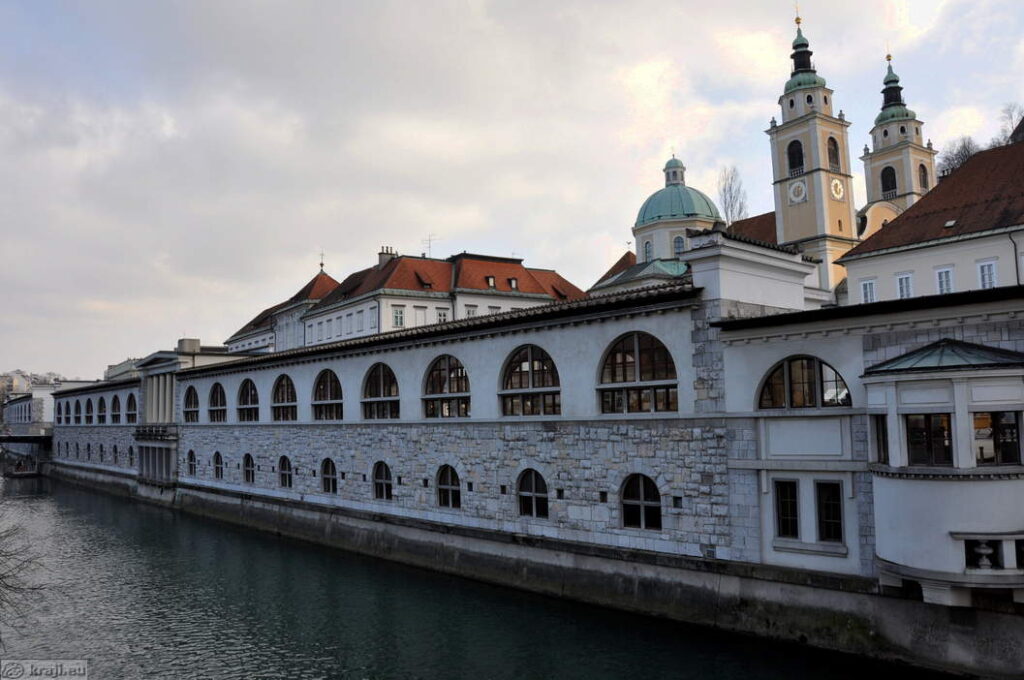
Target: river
[143, 592]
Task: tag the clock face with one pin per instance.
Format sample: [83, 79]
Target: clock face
[797, 192]
[837, 189]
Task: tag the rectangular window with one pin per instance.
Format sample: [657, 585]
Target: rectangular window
[493, 309]
[328, 328]
[319, 330]
[829, 496]
[470, 310]
[359, 321]
[373, 317]
[398, 317]
[944, 281]
[421, 315]
[929, 439]
[787, 510]
[442, 315]
[867, 291]
[904, 287]
[987, 274]
[996, 438]
[880, 425]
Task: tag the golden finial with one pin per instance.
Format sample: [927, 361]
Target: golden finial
[888, 52]
[796, 5]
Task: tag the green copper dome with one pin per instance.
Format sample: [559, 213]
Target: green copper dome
[891, 113]
[800, 41]
[676, 202]
[803, 80]
[673, 163]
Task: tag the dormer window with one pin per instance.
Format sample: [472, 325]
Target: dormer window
[513, 283]
[490, 281]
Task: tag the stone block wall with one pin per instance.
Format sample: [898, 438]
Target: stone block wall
[110, 446]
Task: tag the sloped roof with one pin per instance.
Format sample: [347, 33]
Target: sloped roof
[627, 260]
[985, 193]
[669, 270]
[949, 354]
[317, 288]
[759, 228]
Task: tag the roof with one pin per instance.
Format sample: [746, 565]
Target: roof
[318, 287]
[676, 202]
[874, 308]
[760, 228]
[654, 269]
[948, 354]
[985, 193]
[97, 386]
[459, 272]
[627, 260]
[630, 301]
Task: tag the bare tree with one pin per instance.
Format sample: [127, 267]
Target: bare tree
[731, 196]
[956, 154]
[1009, 118]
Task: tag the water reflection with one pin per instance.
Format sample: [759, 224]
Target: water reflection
[146, 592]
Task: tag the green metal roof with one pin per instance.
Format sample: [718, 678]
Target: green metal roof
[655, 269]
[803, 80]
[673, 163]
[890, 77]
[676, 202]
[949, 354]
[891, 113]
[800, 41]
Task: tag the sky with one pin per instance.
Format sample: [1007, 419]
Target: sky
[170, 168]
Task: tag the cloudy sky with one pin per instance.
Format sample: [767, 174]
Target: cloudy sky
[171, 168]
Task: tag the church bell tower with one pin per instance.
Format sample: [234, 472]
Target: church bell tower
[811, 168]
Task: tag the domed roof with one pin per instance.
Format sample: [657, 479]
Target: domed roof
[676, 202]
[804, 79]
[800, 41]
[673, 163]
[891, 113]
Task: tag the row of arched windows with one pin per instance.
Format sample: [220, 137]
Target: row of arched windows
[638, 375]
[64, 450]
[70, 412]
[639, 495]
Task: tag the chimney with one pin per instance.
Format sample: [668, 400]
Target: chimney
[386, 254]
[188, 346]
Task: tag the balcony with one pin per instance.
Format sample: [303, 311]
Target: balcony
[797, 171]
[889, 195]
[160, 432]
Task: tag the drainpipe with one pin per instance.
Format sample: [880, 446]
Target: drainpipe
[1016, 257]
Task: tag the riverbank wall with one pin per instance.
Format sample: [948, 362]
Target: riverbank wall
[832, 611]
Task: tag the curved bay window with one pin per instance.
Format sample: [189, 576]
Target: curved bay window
[248, 469]
[641, 503]
[327, 403]
[382, 481]
[115, 410]
[190, 411]
[284, 402]
[795, 156]
[530, 386]
[447, 389]
[88, 411]
[131, 410]
[803, 382]
[643, 373]
[248, 402]
[218, 465]
[449, 490]
[218, 410]
[380, 393]
[101, 411]
[328, 476]
[284, 472]
[532, 491]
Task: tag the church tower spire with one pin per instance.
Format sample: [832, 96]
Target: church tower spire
[811, 167]
[899, 167]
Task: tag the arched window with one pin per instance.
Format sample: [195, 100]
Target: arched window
[115, 454]
[88, 411]
[446, 376]
[101, 411]
[328, 476]
[795, 155]
[449, 492]
[833, 155]
[77, 450]
[648, 251]
[190, 409]
[248, 402]
[248, 469]
[78, 412]
[284, 472]
[644, 374]
[888, 182]
[641, 503]
[115, 410]
[218, 465]
[922, 176]
[803, 382]
[530, 385]
[533, 494]
[380, 393]
[131, 456]
[382, 481]
[88, 451]
[327, 396]
[678, 246]
[131, 410]
[218, 409]
[284, 404]
[191, 463]
[60, 413]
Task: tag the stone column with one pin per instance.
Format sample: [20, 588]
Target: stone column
[898, 454]
[963, 426]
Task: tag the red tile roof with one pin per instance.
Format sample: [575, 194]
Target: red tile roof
[627, 260]
[317, 288]
[986, 192]
[759, 228]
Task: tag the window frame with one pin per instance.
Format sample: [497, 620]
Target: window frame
[325, 406]
[101, 411]
[826, 524]
[781, 513]
[532, 502]
[818, 385]
[642, 502]
[900, 278]
[384, 406]
[981, 267]
[383, 481]
[929, 431]
[938, 281]
[449, 488]
[248, 402]
[285, 473]
[284, 400]
[868, 291]
[648, 251]
[998, 438]
[217, 404]
[190, 405]
[190, 461]
[248, 469]
[678, 247]
[541, 400]
[442, 396]
[617, 396]
[218, 465]
[328, 476]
